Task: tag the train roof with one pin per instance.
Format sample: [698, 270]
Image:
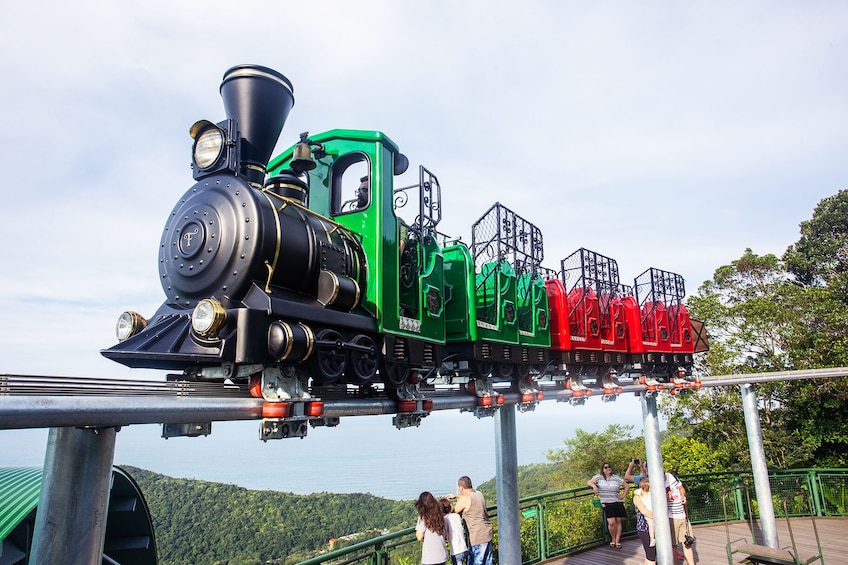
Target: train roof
[350, 134]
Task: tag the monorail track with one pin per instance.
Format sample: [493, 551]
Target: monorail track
[30, 401]
[84, 416]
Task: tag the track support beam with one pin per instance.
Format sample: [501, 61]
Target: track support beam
[506, 468]
[70, 525]
[759, 469]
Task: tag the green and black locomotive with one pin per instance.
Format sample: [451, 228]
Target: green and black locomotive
[299, 272]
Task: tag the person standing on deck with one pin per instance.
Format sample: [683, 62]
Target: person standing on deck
[471, 504]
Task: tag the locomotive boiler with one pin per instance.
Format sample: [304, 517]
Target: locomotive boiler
[231, 239]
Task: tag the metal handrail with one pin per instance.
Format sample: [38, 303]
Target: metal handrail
[540, 508]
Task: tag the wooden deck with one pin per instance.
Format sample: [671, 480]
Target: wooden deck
[711, 544]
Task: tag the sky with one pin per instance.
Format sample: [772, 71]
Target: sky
[661, 134]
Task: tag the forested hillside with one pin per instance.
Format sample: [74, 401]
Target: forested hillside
[198, 522]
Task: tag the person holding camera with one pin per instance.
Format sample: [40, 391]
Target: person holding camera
[676, 493]
[608, 487]
[636, 466]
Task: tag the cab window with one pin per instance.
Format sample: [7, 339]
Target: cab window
[351, 186]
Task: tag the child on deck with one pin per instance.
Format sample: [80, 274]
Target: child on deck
[454, 533]
[644, 492]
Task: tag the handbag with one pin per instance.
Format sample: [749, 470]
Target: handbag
[688, 538]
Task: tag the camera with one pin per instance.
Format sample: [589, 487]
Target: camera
[637, 462]
[688, 541]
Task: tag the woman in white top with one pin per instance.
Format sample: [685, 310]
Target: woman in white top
[644, 492]
[608, 487]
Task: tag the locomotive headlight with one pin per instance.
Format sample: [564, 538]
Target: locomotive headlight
[208, 317]
[208, 147]
[216, 148]
[129, 324]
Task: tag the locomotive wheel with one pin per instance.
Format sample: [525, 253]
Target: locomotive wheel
[328, 362]
[394, 374]
[504, 370]
[362, 365]
[481, 369]
[523, 370]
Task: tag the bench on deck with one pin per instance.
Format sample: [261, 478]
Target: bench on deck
[752, 552]
[769, 555]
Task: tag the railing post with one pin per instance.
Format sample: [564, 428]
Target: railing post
[814, 481]
[541, 530]
[738, 503]
[381, 556]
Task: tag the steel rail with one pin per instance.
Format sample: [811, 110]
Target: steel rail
[775, 376]
[28, 401]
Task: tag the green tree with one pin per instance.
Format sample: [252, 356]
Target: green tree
[767, 314]
[198, 523]
[820, 256]
[685, 455]
[819, 263]
[744, 308]
[583, 454]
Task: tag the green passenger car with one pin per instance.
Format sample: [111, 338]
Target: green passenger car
[499, 323]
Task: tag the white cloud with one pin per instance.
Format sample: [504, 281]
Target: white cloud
[658, 134]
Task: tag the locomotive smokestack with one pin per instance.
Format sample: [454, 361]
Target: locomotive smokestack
[260, 100]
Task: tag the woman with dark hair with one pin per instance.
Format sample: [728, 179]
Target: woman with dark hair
[608, 488]
[430, 529]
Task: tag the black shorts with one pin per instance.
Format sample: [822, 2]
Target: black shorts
[614, 509]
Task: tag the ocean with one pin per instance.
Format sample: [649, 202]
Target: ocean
[364, 454]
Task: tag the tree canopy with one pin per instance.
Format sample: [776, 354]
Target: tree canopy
[583, 454]
[765, 313]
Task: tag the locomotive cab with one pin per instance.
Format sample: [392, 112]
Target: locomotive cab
[353, 184]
